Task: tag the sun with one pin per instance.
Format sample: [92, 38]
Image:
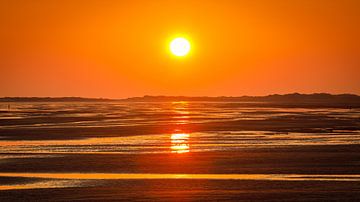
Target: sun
[180, 46]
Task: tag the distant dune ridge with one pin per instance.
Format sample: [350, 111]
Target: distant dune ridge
[339, 100]
[52, 99]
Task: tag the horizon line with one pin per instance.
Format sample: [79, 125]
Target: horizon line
[185, 96]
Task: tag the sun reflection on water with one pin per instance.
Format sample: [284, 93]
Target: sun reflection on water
[179, 143]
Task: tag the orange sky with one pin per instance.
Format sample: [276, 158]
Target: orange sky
[119, 49]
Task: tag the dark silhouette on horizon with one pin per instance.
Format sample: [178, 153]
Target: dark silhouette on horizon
[294, 99]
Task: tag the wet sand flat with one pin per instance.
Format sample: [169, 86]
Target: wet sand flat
[194, 190]
[178, 151]
[293, 160]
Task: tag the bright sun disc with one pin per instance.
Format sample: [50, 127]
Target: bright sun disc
[180, 46]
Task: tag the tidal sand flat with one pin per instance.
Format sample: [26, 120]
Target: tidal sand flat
[178, 151]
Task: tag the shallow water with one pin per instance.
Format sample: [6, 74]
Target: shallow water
[59, 145]
[184, 126]
[178, 142]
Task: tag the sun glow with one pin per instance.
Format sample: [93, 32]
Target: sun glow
[180, 46]
[179, 143]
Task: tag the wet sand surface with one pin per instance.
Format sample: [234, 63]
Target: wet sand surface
[178, 152]
[194, 190]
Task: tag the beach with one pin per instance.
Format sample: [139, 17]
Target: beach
[178, 151]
